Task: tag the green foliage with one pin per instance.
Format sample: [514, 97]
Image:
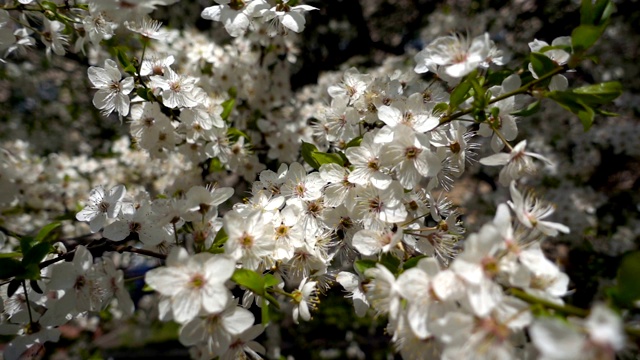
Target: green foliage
[542, 65]
[627, 292]
[33, 250]
[531, 109]
[362, 265]
[587, 100]
[316, 158]
[260, 286]
[460, 93]
[234, 134]
[227, 107]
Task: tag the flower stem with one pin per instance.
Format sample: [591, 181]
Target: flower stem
[566, 309]
[521, 90]
[26, 298]
[504, 141]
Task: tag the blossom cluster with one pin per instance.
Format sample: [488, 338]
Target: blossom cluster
[358, 198]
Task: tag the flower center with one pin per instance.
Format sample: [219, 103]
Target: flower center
[246, 241]
[412, 152]
[197, 281]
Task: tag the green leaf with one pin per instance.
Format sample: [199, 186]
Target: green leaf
[36, 287]
[36, 254]
[354, 142]
[586, 12]
[31, 272]
[412, 262]
[45, 233]
[584, 101]
[10, 255]
[10, 268]
[270, 280]
[495, 78]
[26, 243]
[219, 240]
[390, 261]
[215, 165]
[123, 59]
[480, 96]
[541, 64]
[227, 107]
[460, 94]
[250, 280]
[142, 92]
[307, 154]
[14, 285]
[362, 265]
[602, 9]
[627, 291]
[235, 133]
[529, 110]
[440, 108]
[49, 5]
[601, 94]
[586, 116]
[584, 36]
[130, 69]
[570, 102]
[327, 158]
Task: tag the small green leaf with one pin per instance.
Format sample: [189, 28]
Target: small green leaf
[585, 101]
[412, 262]
[531, 109]
[215, 165]
[440, 108]
[250, 280]
[586, 116]
[219, 240]
[601, 94]
[571, 102]
[36, 287]
[460, 94]
[10, 268]
[130, 69]
[495, 78]
[354, 142]
[49, 5]
[327, 158]
[541, 64]
[270, 280]
[601, 11]
[227, 107]
[14, 285]
[233, 92]
[26, 243]
[627, 291]
[121, 54]
[36, 254]
[31, 272]
[45, 233]
[362, 265]
[307, 154]
[390, 261]
[235, 133]
[10, 255]
[584, 36]
[586, 12]
[142, 92]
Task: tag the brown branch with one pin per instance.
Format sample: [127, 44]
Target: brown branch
[98, 247]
